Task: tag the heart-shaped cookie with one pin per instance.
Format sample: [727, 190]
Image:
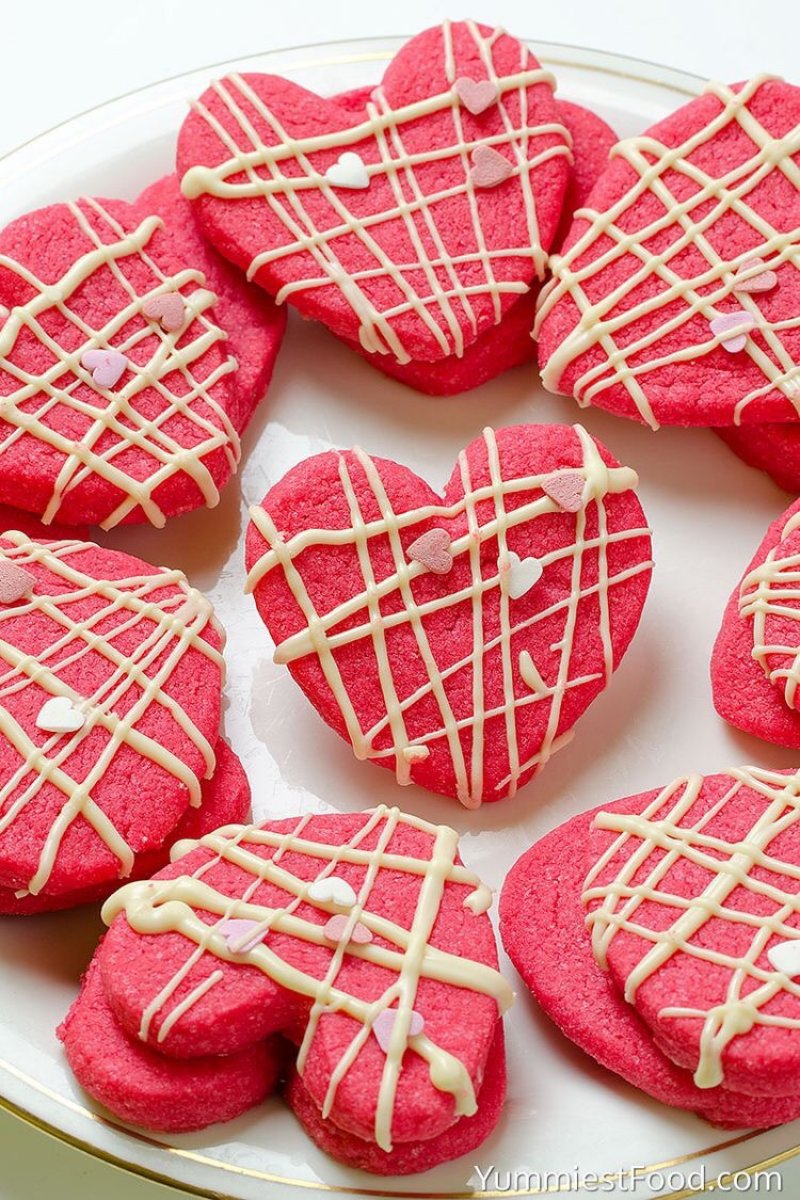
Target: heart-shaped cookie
[667, 251]
[111, 671]
[508, 344]
[419, 670]
[119, 400]
[755, 666]
[683, 918]
[686, 897]
[410, 231]
[396, 1032]
[224, 800]
[772, 448]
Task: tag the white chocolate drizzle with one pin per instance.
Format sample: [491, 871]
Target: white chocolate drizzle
[662, 836]
[772, 589]
[116, 423]
[610, 323]
[170, 626]
[169, 905]
[444, 298]
[322, 637]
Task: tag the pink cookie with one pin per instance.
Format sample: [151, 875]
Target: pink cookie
[464, 682]
[111, 412]
[15, 518]
[543, 925]
[754, 669]
[225, 801]
[510, 343]
[112, 671]
[678, 302]
[143, 1087]
[399, 876]
[774, 449]
[417, 260]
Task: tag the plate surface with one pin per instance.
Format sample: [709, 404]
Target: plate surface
[708, 512]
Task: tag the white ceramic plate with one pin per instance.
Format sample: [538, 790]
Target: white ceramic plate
[656, 721]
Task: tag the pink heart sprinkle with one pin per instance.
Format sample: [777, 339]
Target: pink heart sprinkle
[566, 490]
[763, 281]
[334, 931]
[169, 309]
[722, 326]
[489, 168]
[476, 94]
[235, 930]
[432, 549]
[15, 582]
[107, 366]
[383, 1025]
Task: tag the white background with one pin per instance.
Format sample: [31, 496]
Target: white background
[59, 58]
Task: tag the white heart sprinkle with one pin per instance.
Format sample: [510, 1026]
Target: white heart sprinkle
[348, 171]
[785, 957]
[523, 573]
[59, 715]
[332, 890]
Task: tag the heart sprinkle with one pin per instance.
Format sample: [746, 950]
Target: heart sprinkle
[764, 279]
[107, 366]
[235, 931]
[335, 931]
[785, 957]
[566, 490]
[59, 715]
[332, 890]
[169, 309]
[522, 574]
[415, 754]
[489, 168]
[723, 326]
[384, 1023]
[476, 94]
[348, 171]
[15, 582]
[432, 550]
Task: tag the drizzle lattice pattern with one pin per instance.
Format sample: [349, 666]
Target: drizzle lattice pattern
[772, 590]
[409, 956]
[113, 423]
[439, 287]
[691, 207]
[170, 626]
[323, 635]
[662, 827]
